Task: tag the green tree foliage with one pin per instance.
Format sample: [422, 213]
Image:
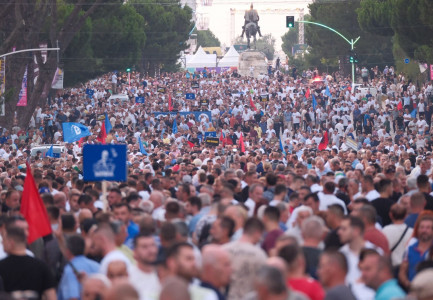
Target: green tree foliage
[291, 37]
[206, 38]
[266, 44]
[372, 49]
[25, 24]
[409, 22]
[111, 40]
[167, 26]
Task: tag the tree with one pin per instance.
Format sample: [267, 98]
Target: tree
[266, 44]
[409, 22]
[206, 38]
[371, 49]
[167, 29]
[113, 40]
[24, 24]
[291, 37]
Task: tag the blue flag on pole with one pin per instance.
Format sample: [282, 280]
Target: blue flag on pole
[328, 92]
[174, 129]
[74, 131]
[281, 147]
[142, 150]
[108, 126]
[50, 152]
[314, 102]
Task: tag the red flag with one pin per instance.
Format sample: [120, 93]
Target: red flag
[170, 105]
[33, 209]
[102, 134]
[252, 103]
[307, 94]
[241, 143]
[190, 144]
[324, 142]
[80, 142]
[399, 106]
[222, 138]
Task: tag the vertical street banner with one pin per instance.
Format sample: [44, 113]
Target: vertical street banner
[22, 97]
[2, 85]
[431, 72]
[44, 55]
[57, 83]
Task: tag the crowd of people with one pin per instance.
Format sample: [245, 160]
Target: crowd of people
[315, 189]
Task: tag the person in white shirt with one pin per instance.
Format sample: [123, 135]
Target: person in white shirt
[104, 244]
[368, 190]
[143, 276]
[327, 197]
[340, 128]
[398, 233]
[351, 234]
[255, 193]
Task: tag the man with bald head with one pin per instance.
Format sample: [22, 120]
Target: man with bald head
[216, 269]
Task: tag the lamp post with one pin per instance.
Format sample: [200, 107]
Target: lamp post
[351, 43]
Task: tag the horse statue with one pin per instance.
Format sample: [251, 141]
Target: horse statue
[251, 31]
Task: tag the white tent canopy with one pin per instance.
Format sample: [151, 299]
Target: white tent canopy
[201, 60]
[230, 59]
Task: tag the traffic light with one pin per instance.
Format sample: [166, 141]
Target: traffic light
[353, 58]
[128, 69]
[290, 21]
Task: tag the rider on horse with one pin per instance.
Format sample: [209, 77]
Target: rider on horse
[251, 16]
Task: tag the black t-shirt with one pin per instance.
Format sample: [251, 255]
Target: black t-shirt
[332, 240]
[382, 206]
[311, 260]
[25, 273]
[429, 201]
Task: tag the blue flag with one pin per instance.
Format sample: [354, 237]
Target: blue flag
[281, 147]
[413, 114]
[50, 152]
[174, 129]
[142, 150]
[314, 102]
[74, 131]
[108, 126]
[328, 92]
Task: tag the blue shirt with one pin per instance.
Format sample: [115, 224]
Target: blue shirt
[410, 220]
[389, 290]
[193, 222]
[413, 256]
[69, 286]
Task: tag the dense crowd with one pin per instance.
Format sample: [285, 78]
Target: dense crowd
[260, 214]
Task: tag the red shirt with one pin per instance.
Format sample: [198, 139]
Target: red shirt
[374, 236]
[308, 286]
[270, 239]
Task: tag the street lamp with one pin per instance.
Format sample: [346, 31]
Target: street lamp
[351, 43]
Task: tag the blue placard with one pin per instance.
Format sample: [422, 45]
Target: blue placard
[90, 92]
[104, 162]
[190, 96]
[406, 60]
[198, 114]
[139, 99]
[210, 134]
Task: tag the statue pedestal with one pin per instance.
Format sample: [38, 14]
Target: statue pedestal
[252, 63]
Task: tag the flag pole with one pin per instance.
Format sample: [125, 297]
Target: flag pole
[104, 195]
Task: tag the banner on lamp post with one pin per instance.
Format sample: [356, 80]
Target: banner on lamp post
[22, 97]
